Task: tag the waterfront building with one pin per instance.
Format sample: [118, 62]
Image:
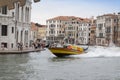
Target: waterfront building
[15, 23]
[118, 29]
[33, 32]
[93, 32]
[62, 29]
[41, 32]
[71, 30]
[84, 31]
[55, 29]
[106, 30]
[93, 35]
[68, 29]
[37, 32]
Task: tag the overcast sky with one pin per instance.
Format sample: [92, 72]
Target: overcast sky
[81, 8]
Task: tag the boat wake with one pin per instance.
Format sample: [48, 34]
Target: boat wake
[98, 51]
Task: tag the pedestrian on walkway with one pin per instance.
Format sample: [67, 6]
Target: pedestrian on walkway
[35, 45]
[21, 46]
[26, 46]
[39, 45]
[2, 46]
[18, 46]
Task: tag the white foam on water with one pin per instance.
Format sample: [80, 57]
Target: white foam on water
[99, 51]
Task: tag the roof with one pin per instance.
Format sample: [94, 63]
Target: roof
[64, 18]
[39, 25]
[33, 26]
[10, 3]
[67, 18]
[43, 26]
[111, 15]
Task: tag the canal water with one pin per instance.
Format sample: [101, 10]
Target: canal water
[98, 63]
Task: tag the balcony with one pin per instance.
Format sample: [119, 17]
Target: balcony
[6, 18]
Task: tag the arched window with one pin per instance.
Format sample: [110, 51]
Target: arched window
[18, 7]
[17, 36]
[26, 37]
[21, 35]
[22, 14]
[28, 15]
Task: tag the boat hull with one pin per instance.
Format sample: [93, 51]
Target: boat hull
[61, 52]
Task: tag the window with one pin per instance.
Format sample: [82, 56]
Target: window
[65, 22]
[92, 31]
[100, 26]
[53, 21]
[101, 35]
[108, 30]
[18, 6]
[115, 29]
[13, 14]
[60, 26]
[12, 29]
[115, 20]
[52, 25]
[4, 44]
[12, 45]
[4, 30]
[50, 21]
[99, 41]
[52, 31]
[70, 28]
[89, 34]
[0, 9]
[4, 10]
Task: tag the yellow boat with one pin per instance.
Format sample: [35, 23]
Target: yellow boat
[69, 50]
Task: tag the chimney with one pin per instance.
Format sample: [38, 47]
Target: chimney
[92, 19]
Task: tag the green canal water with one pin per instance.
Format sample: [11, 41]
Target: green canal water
[45, 66]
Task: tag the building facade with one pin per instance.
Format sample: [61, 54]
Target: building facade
[118, 39]
[69, 29]
[15, 23]
[84, 32]
[33, 32]
[106, 31]
[42, 32]
[55, 29]
[93, 35]
[62, 29]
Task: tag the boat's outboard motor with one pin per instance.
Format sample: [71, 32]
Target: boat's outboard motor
[86, 48]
